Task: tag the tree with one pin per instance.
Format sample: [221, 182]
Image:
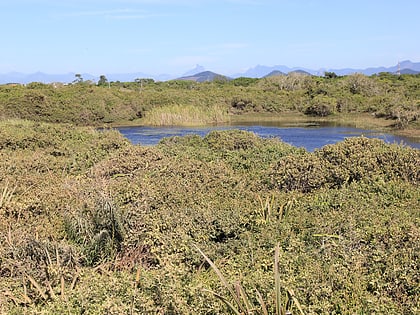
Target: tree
[103, 81]
[142, 82]
[78, 79]
[330, 75]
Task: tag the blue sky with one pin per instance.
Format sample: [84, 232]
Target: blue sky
[225, 36]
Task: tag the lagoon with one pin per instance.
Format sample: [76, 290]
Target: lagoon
[310, 136]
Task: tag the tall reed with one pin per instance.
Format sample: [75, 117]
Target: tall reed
[186, 115]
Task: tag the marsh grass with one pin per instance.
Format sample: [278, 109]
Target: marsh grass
[186, 115]
[270, 209]
[98, 231]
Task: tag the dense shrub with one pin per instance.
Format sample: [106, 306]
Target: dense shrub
[321, 106]
[361, 158]
[116, 233]
[186, 102]
[355, 159]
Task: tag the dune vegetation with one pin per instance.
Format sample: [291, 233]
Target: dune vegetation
[393, 100]
[91, 224]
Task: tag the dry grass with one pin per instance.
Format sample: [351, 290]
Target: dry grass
[185, 115]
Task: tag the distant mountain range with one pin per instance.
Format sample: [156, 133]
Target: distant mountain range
[204, 76]
[200, 74]
[406, 67]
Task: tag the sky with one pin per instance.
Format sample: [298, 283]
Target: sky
[224, 36]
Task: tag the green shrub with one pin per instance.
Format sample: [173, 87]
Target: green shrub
[355, 159]
[92, 224]
[99, 232]
[321, 106]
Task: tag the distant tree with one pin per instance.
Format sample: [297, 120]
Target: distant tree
[220, 79]
[359, 83]
[330, 75]
[78, 79]
[36, 85]
[103, 81]
[321, 105]
[244, 81]
[142, 82]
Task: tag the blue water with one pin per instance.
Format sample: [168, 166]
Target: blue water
[310, 138]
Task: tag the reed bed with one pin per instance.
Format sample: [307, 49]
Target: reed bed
[186, 115]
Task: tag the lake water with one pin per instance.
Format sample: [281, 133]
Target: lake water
[309, 136]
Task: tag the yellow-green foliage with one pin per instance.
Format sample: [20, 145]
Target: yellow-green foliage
[91, 224]
[354, 159]
[183, 102]
[181, 115]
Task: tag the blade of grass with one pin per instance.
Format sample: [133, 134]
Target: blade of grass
[38, 287]
[224, 300]
[246, 302]
[277, 279]
[51, 290]
[262, 303]
[222, 279]
[75, 278]
[295, 300]
[6, 195]
[10, 295]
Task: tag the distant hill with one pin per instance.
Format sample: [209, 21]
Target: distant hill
[409, 71]
[406, 65]
[199, 75]
[300, 72]
[274, 73]
[17, 77]
[260, 71]
[204, 76]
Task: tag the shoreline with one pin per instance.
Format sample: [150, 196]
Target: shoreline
[356, 120]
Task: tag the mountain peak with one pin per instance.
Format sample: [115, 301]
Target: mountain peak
[203, 76]
[198, 68]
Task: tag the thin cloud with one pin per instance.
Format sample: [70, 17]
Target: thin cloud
[134, 16]
[117, 14]
[233, 46]
[242, 2]
[190, 60]
[138, 51]
[223, 48]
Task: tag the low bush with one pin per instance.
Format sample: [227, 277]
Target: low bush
[355, 159]
[92, 224]
[191, 103]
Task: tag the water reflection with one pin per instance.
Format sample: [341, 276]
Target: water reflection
[308, 135]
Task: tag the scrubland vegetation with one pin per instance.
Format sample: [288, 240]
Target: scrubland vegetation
[386, 96]
[91, 224]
